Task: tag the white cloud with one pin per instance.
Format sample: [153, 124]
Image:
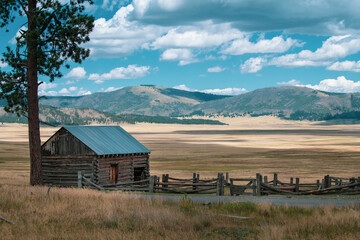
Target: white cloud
[64, 91]
[184, 87]
[183, 55]
[225, 91]
[83, 92]
[345, 66]
[333, 48]
[118, 36]
[71, 91]
[69, 82]
[18, 34]
[141, 6]
[217, 91]
[310, 16]
[44, 87]
[341, 84]
[216, 69]
[253, 65]
[170, 5]
[201, 35]
[111, 89]
[76, 73]
[274, 45]
[130, 72]
[111, 4]
[3, 64]
[90, 8]
[292, 82]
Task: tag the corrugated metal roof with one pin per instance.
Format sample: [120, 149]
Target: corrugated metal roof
[106, 140]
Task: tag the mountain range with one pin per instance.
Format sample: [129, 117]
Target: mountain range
[289, 102]
[143, 100]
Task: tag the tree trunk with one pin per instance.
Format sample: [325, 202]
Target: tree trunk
[33, 100]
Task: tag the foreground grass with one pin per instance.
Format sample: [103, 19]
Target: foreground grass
[88, 214]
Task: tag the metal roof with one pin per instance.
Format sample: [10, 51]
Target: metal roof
[106, 140]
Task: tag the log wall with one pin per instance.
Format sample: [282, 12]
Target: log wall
[63, 171]
[126, 164]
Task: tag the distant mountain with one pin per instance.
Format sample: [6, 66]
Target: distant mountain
[142, 100]
[288, 102]
[71, 116]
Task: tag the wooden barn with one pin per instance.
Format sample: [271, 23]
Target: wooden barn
[108, 153]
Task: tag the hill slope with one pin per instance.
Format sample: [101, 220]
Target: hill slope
[288, 102]
[143, 100]
[71, 116]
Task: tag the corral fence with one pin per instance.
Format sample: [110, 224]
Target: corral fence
[193, 185]
[165, 184]
[327, 185]
[261, 185]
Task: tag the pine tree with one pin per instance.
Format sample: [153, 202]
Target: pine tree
[51, 35]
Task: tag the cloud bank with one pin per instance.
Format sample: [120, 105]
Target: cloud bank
[129, 72]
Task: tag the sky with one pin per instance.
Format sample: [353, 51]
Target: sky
[215, 46]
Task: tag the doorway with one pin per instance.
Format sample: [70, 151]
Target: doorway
[114, 173]
[139, 174]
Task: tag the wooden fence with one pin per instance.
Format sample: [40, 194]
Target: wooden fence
[236, 189]
[147, 185]
[238, 186]
[328, 185]
[167, 184]
[193, 185]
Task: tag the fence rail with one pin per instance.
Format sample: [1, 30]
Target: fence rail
[237, 186]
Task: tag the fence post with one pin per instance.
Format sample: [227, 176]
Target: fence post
[220, 185]
[318, 184]
[258, 184]
[266, 179]
[152, 184]
[291, 181]
[79, 179]
[297, 184]
[194, 181]
[327, 182]
[227, 178]
[165, 178]
[254, 187]
[275, 182]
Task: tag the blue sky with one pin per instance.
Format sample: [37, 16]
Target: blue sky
[215, 46]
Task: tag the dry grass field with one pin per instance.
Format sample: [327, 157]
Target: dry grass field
[242, 148]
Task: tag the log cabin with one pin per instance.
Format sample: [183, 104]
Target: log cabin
[108, 154]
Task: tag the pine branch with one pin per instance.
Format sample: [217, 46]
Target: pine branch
[46, 123]
[22, 4]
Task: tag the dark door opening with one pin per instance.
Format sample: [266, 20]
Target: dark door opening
[114, 173]
[139, 174]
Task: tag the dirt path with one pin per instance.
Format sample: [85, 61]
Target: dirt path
[276, 200]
